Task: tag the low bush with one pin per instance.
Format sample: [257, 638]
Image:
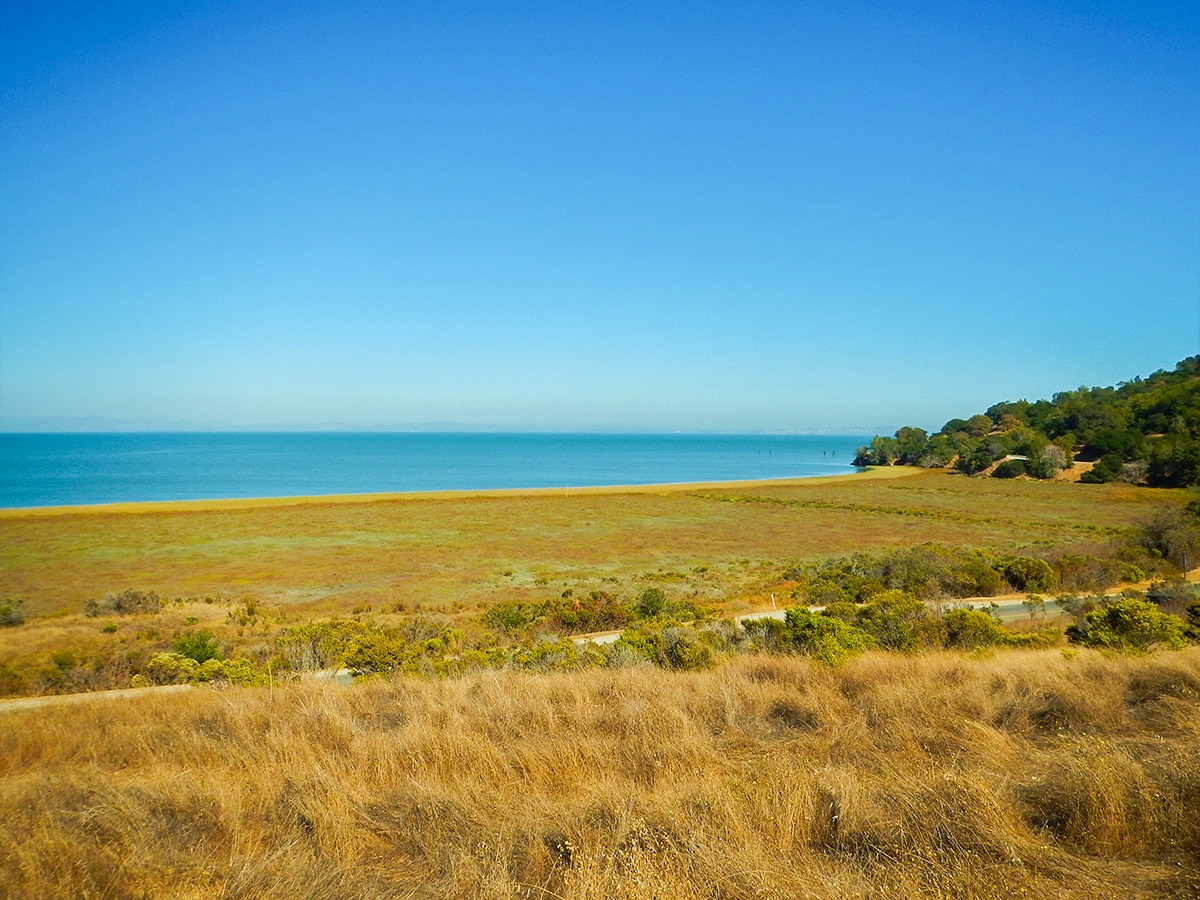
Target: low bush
[1128, 624]
[1010, 468]
[197, 646]
[11, 614]
[971, 629]
[935, 571]
[673, 645]
[927, 571]
[1025, 573]
[895, 619]
[1177, 593]
[1107, 468]
[382, 651]
[125, 603]
[175, 668]
[824, 638]
[316, 645]
[598, 611]
[651, 603]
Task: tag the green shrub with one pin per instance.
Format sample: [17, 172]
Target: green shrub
[974, 460]
[1128, 624]
[233, 671]
[552, 655]
[175, 668]
[1177, 593]
[928, 571]
[1104, 470]
[1078, 607]
[824, 638]
[1193, 619]
[1174, 462]
[12, 681]
[376, 651]
[766, 635]
[598, 611]
[510, 617]
[196, 645]
[317, 645]
[673, 645]
[895, 619]
[1174, 535]
[1010, 468]
[1080, 572]
[651, 602]
[125, 603]
[11, 613]
[170, 668]
[970, 629]
[685, 648]
[1025, 573]
[1048, 462]
[568, 614]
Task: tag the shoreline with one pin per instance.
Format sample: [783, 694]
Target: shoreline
[236, 503]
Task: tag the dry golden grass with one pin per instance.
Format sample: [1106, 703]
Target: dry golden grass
[1035, 773]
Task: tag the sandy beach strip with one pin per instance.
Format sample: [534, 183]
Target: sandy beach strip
[234, 503]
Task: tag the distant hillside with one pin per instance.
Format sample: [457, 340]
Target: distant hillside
[1145, 431]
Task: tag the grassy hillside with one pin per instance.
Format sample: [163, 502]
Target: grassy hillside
[1030, 773]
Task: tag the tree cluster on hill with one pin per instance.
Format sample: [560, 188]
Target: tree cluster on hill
[1141, 431]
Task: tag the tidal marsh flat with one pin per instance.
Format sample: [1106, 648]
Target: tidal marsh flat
[448, 552]
[451, 551]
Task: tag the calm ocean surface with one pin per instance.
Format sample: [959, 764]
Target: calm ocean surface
[65, 469]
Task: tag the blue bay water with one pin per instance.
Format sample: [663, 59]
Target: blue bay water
[69, 469]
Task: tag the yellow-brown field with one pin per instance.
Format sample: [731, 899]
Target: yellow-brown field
[1024, 774]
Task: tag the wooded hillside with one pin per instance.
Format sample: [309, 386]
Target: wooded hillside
[1140, 431]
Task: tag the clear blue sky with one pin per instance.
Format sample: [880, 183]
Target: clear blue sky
[791, 216]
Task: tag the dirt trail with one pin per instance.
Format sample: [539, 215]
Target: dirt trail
[16, 703]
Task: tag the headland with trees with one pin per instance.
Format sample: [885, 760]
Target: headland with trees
[1144, 431]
